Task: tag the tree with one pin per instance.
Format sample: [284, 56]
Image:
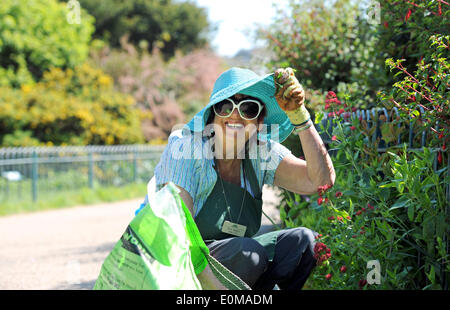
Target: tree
[328, 43]
[36, 35]
[165, 24]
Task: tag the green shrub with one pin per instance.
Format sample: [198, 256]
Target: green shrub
[35, 35]
[391, 206]
[387, 207]
[406, 28]
[423, 94]
[331, 45]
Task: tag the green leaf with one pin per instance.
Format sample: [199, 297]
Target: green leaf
[411, 212]
[432, 275]
[318, 117]
[394, 155]
[402, 202]
[441, 226]
[428, 229]
[387, 185]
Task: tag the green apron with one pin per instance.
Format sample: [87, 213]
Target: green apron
[214, 212]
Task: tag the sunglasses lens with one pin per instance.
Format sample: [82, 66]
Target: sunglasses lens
[249, 109]
[223, 108]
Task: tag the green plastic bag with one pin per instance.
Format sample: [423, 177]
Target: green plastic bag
[160, 249]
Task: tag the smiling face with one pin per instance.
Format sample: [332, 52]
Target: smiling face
[233, 132]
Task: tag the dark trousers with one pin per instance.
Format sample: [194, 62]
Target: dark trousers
[289, 269]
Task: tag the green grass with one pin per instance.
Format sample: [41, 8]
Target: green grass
[68, 198]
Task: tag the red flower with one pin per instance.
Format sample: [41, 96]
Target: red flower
[338, 194]
[328, 276]
[327, 106]
[363, 209]
[444, 147]
[386, 25]
[331, 94]
[352, 128]
[319, 201]
[362, 283]
[319, 246]
[331, 114]
[441, 135]
[408, 15]
[343, 269]
[354, 236]
[333, 138]
[322, 189]
[370, 206]
[358, 212]
[333, 100]
[354, 109]
[321, 253]
[340, 218]
[331, 218]
[348, 217]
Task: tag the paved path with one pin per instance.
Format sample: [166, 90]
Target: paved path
[64, 249]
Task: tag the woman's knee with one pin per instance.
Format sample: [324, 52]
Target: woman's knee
[243, 256]
[301, 237]
[253, 254]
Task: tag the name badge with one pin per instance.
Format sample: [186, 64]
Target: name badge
[234, 229]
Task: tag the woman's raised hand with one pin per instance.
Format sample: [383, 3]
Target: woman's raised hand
[289, 92]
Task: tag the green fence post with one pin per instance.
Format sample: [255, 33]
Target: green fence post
[91, 171]
[135, 172]
[34, 176]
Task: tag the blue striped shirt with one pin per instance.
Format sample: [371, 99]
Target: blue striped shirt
[188, 162]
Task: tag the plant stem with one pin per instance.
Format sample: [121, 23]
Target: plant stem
[422, 96]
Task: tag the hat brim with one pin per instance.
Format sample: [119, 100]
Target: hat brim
[278, 127]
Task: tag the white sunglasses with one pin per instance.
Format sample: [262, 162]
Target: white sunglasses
[248, 109]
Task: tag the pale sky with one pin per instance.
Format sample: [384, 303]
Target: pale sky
[233, 18]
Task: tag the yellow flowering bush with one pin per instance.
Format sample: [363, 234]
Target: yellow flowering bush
[74, 107]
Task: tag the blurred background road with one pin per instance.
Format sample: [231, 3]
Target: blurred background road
[65, 249]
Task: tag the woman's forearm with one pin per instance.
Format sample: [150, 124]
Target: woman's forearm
[319, 165]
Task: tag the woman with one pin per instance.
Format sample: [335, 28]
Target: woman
[222, 158]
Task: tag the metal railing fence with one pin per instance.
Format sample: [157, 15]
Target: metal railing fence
[31, 172]
[410, 137]
[375, 117]
[28, 172]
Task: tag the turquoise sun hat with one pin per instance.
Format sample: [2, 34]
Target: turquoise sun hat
[246, 82]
